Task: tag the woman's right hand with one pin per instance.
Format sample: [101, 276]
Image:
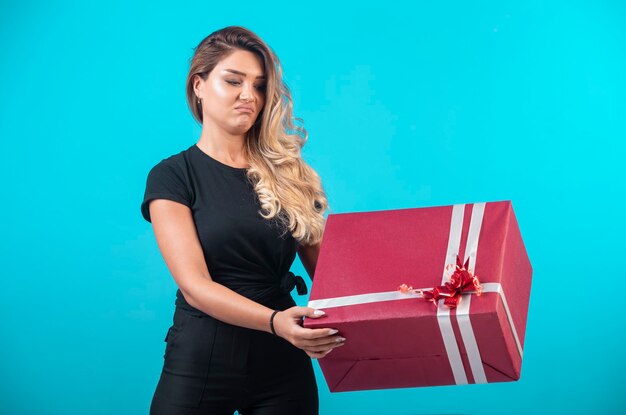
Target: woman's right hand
[317, 343]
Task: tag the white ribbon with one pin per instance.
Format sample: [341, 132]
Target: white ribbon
[443, 312]
[462, 312]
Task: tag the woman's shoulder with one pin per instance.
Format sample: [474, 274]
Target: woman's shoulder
[176, 162]
[173, 169]
[168, 179]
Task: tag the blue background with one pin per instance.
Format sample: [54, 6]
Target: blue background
[406, 106]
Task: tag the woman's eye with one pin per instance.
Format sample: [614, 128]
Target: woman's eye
[235, 83]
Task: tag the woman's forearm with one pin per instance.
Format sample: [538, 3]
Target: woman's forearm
[308, 256]
[226, 305]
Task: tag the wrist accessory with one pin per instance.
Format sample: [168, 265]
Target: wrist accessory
[272, 322]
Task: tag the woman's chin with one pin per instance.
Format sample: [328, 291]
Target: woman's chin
[244, 122]
[240, 128]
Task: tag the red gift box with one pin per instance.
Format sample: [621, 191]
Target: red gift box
[399, 339]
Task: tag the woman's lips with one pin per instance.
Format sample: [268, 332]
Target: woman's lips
[246, 110]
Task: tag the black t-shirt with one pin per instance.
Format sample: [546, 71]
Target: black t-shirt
[243, 251]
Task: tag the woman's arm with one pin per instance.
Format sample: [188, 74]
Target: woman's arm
[308, 256]
[178, 242]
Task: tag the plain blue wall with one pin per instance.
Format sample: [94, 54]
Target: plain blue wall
[405, 107]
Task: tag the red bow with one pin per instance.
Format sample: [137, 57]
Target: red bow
[461, 281]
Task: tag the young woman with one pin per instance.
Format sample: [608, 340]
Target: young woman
[229, 214]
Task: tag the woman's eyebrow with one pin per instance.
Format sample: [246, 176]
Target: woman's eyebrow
[241, 73]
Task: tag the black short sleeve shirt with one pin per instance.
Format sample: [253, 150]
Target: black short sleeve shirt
[243, 251]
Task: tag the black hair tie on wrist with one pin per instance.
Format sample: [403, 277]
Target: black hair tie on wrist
[272, 322]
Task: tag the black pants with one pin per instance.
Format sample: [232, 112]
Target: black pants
[211, 367]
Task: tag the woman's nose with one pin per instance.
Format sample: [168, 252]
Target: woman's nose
[246, 92]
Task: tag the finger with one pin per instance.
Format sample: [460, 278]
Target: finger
[308, 312]
[323, 341]
[322, 348]
[314, 333]
[325, 354]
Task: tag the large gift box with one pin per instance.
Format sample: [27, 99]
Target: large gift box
[424, 296]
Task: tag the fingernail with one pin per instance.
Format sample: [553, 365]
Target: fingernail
[333, 331]
[341, 339]
[319, 313]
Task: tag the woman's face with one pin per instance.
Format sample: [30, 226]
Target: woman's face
[236, 81]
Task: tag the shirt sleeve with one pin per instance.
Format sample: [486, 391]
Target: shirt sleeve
[166, 180]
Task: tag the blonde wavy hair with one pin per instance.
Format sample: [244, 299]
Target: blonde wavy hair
[288, 189]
